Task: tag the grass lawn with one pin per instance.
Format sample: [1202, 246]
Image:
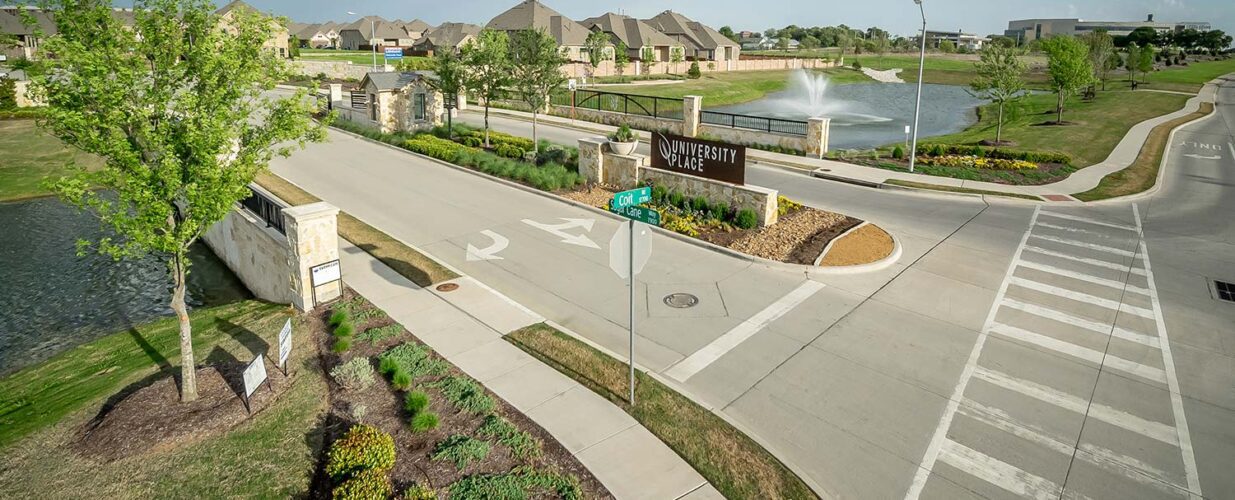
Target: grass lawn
[731, 461]
[717, 89]
[1188, 78]
[1143, 173]
[1099, 125]
[360, 57]
[42, 407]
[30, 155]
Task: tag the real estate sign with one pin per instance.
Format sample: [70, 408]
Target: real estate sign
[254, 375]
[285, 344]
[708, 159]
[393, 53]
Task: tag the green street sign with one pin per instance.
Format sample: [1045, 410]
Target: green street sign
[631, 198]
[644, 215]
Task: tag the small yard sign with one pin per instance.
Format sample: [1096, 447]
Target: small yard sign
[326, 273]
[394, 53]
[254, 375]
[285, 345]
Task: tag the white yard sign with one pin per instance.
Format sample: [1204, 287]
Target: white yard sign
[326, 273]
[285, 344]
[254, 375]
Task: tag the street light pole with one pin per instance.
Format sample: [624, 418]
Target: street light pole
[373, 36]
[917, 108]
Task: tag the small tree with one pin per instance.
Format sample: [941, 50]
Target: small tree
[594, 46]
[1145, 61]
[1112, 63]
[694, 73]
[488, 63]
[8, 94]
[175, 107]
[727, 32]
[843, 41]
[621, 58]
[535, 71]
[1068, 67]
[450, 80]
[648, 55]
[293, 47]
[880, 46]
[1000, 79]
[782, 43]
[677, 56]
[947, 46]
[1101, 50]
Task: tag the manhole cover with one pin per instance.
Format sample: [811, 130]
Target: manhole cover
[681, 300]
[447, 287]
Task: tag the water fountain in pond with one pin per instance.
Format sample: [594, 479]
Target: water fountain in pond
[807, 97]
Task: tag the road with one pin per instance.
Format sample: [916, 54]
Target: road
[1013, 351]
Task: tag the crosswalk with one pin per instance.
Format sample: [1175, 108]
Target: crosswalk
[1070, 390]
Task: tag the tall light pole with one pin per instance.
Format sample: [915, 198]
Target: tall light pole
[917, 108]
[372, 35]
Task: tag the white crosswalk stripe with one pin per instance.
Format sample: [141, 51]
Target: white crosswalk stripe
[1069, 329]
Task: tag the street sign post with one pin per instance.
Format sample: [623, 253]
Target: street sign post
[637, 248]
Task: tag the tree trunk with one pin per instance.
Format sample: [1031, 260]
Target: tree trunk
[486, 124]
[450, 124]
[188, 369]
[999, 126]
[1059, 108]
[535, 138]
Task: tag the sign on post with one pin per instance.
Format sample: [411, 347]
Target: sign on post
[571, 84]
[621, 258]
[641, 214]
[254, 375]
[285, 345]
[325, 274]
[393, 53]
[708, 159]
[631, 198]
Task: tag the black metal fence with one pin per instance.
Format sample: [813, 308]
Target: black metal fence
[268, 209]
[749, 122]
[628, 104]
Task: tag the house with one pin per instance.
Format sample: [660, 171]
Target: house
[318, 36]
[26, 38]
[962, 40]
[416, 29]
[448, 36]
[637, 35]
[702, 42]
[368, 31]
[280, 38]
[403, 101]
[533, 15]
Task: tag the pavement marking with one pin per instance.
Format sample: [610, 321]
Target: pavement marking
[1093, 262]
[1172, 382]
[1116, 284]
[1130, 467]
[693, 364]
[1077, 218]
[559, 230]
[1124, 420]
[1073, 229]
[490, 252]
[971, 365]
[1090, 325]
[998, 473]
[1091, 246]
[1080, 352]
[1113, 305]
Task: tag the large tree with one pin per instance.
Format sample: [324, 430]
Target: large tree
[1000, 79]
[536, 71]
[487, 58]
[175, 107]
[1068, 67]
[1101, 50]
[450, 79]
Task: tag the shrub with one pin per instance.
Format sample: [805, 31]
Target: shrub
[341, 345]
[699, 204]
[8, 94]
[508, 151]
[380, 333]
[898, 153]
[362, 448]
[681, 225]
[857, 65]
[401, 380]
[424, 422]
[418, 493]
[552, 154]
[677, 199]
[746, 219]
[365, 485]
[720, 211]
[358, 411]
[344, 330]
[461, 450]
[785, 206]
[521, 444]
[356, 374]
[413, 359]
[520, 482]
[658, 194]
[415, 402]
[623, 134]
[694, 72]
[387, 366]
[339, 317]
[466, 394]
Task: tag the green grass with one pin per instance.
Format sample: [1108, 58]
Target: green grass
[31, 155]
[736, 465]
[952, 189]
[1099, 124]
[1188, 78]
[1143, 173]
[717, 89]
[44, 406]
[361, 57]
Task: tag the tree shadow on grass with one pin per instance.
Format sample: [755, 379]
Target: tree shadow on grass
[256, 345]
[229, 368]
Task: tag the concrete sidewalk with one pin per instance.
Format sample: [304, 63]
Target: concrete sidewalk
[1083, 180]
[466, 327]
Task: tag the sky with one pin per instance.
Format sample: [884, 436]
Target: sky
[897, 16]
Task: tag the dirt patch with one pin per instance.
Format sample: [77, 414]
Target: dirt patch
[867, 244]
[152, 418]
[792, 239]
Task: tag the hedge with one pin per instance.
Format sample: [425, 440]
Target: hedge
[996, 153]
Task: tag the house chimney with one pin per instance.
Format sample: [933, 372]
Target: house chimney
[1151, 18]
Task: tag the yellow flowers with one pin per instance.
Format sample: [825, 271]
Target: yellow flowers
[977, 162]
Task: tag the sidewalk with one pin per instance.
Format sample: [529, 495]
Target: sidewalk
[1083, 180]
[466, 327]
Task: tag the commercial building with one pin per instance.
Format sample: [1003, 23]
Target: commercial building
[962, 40]
[1028, 30]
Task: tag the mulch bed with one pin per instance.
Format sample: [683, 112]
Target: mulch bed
[384, 410]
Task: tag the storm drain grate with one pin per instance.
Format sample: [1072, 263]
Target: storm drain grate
[681, 300]
[1225, 291]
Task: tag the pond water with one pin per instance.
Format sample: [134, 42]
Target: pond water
[867, 115]
[52, 300]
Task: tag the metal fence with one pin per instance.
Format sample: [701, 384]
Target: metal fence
[268, 209]
[628, 104]
[750, 122]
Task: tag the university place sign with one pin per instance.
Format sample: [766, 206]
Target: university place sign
[709, 159]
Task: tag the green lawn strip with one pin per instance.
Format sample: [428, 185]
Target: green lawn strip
[409, 263]
[1099, 124]
[1188, 78]
[953, 189]
[1143, 173]
[358, 57]
[717, 89]
[31, 155]
[732, 462]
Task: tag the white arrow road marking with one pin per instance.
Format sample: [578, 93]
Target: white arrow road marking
[559, 230]
[490, 252]
[1199, 157]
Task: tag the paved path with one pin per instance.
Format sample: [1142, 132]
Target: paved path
[466, 327]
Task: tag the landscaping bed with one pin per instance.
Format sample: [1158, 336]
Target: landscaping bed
[864, 245]
[404, 421]
[976, 163]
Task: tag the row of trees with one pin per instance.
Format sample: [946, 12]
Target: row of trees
[1189, 40]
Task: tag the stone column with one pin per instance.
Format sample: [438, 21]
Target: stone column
[622, 170]
[313, 239]
[817, 130]
[692, 106]
[592, 159]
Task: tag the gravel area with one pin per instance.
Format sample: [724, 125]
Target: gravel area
[864, 246]
[781, 241]
[596, 196]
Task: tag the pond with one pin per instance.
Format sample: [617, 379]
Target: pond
[867, 115]
[52, 300]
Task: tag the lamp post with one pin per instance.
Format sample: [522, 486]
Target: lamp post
[372, 35]
[917, 108]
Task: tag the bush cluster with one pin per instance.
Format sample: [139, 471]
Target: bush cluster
[932, 150]
[548, 177]
[343, 329]
[356, 374]
[362, 448]
[461, 450]
[694, 73]
[522, 445]
[364, 485]
[380, 333]
[517, 483]
[699, 209]
[978, 162]
[466, 394]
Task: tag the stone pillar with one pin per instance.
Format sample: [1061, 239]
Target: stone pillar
[462, 104]
[817, 131]
[313, 239]
[592, 159]
[692, 105]
[336, 92]
[623, 170]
